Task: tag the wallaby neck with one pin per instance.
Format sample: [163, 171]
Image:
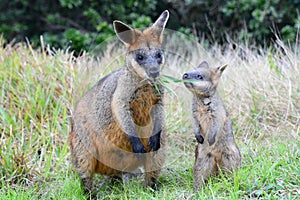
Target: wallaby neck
[131, 75]
[134, 79]
[208, 102]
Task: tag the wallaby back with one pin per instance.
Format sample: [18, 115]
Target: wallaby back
[119, 123]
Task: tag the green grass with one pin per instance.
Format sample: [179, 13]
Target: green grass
[262, 92]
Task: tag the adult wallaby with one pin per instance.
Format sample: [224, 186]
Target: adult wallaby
[216, 147]
[118, 125]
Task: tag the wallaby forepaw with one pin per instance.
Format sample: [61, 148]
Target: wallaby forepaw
[137, 146]
[199, 138]
[139, 150]
[154, 141]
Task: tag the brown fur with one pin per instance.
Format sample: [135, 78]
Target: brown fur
[118, 125]
[145, 38]
[216, 148]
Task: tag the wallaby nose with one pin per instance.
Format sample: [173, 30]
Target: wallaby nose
[185, 76]
[154, 72]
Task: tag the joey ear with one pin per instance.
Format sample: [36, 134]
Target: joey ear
[221, 69]
[124, 32]
[160, 23]
[204, 64]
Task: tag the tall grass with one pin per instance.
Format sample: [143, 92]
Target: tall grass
[260, 88]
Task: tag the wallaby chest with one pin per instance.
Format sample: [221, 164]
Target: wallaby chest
[142, 102]
[204, 115]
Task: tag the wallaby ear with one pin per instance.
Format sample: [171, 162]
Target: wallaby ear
[124, 32]
[160, 23]
[221, 69]
[204, 64]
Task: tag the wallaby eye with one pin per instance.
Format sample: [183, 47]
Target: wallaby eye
[158, 55]
[139, 57]
[199, 77]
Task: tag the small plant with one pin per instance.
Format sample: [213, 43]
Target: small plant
[165, 79]
[36, 102]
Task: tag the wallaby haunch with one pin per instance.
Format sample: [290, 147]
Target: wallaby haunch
[216, 148]
[118, 125]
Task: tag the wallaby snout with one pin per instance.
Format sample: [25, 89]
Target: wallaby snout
[185, 76]
[153, 61]
[193, 75]
[154, 72]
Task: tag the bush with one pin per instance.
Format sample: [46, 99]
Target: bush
[76, 23]
[82, 25]
[244, 19]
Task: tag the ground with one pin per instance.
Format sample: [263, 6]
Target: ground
[260, 88]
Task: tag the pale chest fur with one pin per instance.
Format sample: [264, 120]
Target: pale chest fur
[204, 117]
[208, 113]
[203, 112]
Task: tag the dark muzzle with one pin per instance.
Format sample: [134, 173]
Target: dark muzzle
[154, 72]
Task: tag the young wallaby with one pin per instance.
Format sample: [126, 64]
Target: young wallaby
[118, 125]
[216, 148]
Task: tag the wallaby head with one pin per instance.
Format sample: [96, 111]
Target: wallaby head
[144, 54]
[203, 80]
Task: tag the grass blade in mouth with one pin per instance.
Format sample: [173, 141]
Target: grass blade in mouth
[156, 87]
[170, 79]
[164, 79]
[167, 88]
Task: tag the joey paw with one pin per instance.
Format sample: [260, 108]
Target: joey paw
[199, 139]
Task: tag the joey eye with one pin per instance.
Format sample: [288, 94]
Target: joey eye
[158, 55]
[199, 77]
[139, 57]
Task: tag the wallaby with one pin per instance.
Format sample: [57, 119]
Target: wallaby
[119, 124]
[216, 148]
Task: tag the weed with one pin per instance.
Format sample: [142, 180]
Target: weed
[260, 88]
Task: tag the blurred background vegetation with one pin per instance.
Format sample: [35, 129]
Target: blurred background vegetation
[81, 25]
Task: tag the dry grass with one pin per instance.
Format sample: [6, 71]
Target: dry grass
[260, 88]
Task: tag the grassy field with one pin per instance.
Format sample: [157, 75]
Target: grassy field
[260, 88]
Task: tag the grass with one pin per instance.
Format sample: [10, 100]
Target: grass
[260, 88]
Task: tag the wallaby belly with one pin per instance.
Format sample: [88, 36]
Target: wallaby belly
[114, 148]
